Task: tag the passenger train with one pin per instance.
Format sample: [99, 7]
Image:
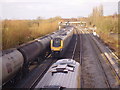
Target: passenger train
[60, 43]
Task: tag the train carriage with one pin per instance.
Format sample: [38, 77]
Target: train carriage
[11, 64]
[59, 44]
[62, 74]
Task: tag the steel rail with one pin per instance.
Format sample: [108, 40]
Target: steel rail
[73, 53]
[81, 57]
[110, 64]
[96, 49]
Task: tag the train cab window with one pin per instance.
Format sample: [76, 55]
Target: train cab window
[57, 42]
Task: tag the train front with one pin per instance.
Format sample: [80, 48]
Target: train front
[56, 46]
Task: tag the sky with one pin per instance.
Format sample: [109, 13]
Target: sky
[31, 9]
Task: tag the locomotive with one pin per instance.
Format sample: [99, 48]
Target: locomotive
[61, 75]
[59, 44]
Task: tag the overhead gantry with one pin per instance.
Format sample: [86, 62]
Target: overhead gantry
[71, 23]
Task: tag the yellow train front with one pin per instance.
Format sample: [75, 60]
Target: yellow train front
[60, 43]
[56, 46]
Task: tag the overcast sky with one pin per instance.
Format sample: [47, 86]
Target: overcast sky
[31, 9]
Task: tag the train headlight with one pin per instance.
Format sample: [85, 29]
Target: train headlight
[60, 49]
[52, 49]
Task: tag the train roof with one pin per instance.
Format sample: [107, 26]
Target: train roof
[63, 73]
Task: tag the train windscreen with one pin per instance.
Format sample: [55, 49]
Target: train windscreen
[57, 42]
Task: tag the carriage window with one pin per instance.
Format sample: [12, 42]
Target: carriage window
[57, 42]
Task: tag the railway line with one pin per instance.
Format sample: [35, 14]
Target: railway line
[72, 49]
[96, 70]
[112, 61]
[75, 50]
[100, 64]
[81, 58]
[110, 57]
[107, 69]
[37, 74]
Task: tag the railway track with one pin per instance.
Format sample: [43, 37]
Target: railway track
[42, 71]
[78, 51]
[97, 50]
[81, 57]
[71, 48]
[75, 50]
[99, 62]
[103, 71]
[35, 76]
[114, 68]
[111, 58]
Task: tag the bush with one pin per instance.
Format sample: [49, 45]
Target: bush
[106, 25]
